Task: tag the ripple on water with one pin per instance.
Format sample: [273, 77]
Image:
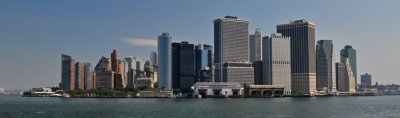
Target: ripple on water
[39, 112]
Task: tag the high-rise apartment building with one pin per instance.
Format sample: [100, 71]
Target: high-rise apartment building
[277, 61]
[164, 61]
[303, 64]
[67, 72]
[88, 76]
[231, 43]
[256, 46]
[326, 70]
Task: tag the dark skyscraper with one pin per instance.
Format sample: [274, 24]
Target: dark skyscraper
[176, 48]
[350, 53]
[302, 44]
[67, 72]
[183, 66]
[326, 75]
[255, 46]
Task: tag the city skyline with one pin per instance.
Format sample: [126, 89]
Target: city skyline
[34, 36]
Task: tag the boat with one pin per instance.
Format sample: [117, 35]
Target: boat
[65, 96]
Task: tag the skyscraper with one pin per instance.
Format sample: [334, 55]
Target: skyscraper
[67, 72]
[204, 61]
[104, 76]
[80, 75]
[277, 61]
[303, 64]
[187, 67]
[241, 72]
[366, 80]
[114, 61]
[138, 67]
[231, 42]
[350, 53]
[256, 46]
[153, 58]
[164, 61]
[131, 75]
[326, 75]
[176, 61]
[88, 76]
[345, 76]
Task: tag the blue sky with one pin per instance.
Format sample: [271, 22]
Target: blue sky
[34, 34]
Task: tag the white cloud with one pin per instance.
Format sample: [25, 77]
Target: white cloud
[140, 42]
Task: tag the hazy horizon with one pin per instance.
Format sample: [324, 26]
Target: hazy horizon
[34, 34]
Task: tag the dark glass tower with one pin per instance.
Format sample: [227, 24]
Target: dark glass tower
[302, 44]
[326, 75]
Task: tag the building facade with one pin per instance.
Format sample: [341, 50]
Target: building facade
[131, 74]
[231, 42]
[277, 61]
[345, 76]
[164, 61]
[366, 80]
[326, 75]
[88, 77]
[256, 46]
[67, 72]
[349, 52]
[241, 72]
[80, 75]
[103, 74]
[204, 61]
[303, 64]
[153, 58]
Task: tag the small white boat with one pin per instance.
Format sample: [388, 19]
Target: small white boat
[65, 96]
[56, 95]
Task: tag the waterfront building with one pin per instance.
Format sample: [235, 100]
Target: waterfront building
[326, 75]
[204, 60]
[103, 74]
[349, 52]
[176, 57]
[302, 49]
[264, 91]
[277, 61]
[241, 72]
[153, 58]
[80, 75]
[144, 82]
[88, 76]
[255, 46]
[67, 72]
[231, 43]
[366, 80]
[345, 77]
[258, 72]
[164, 61]
[215, 89]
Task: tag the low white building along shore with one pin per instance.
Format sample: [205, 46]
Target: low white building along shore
[218, 89]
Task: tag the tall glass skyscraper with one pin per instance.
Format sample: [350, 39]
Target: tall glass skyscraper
[164, 61]
[302, 44]
[231, 42]
[67, 72]
[350, 53]
[326, 70]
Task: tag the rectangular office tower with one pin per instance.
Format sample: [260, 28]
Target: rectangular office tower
[241, 72]
[345, 77]
[80, 75]
[349, 52]
[255, 46]
[231, 42]
[366, 80]
[326, 75]
[183, 66]
[303, 64]
[276, 61]
[67, 72]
